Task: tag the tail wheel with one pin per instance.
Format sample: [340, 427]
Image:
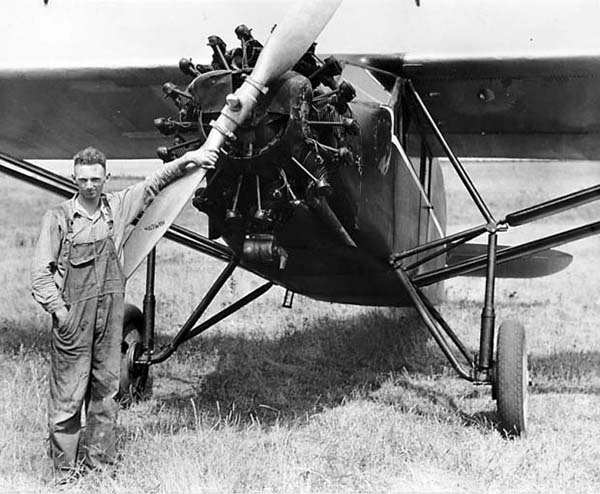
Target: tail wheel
[135, 383]
[512, 379]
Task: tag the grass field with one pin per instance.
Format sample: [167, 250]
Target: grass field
[325, 397]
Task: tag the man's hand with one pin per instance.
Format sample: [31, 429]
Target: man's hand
[203, 157]
[61, 315]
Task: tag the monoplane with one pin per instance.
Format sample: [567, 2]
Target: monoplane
[328, 182]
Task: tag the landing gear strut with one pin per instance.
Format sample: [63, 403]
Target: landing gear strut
[137, 350]
[506, 368]
[502, 361]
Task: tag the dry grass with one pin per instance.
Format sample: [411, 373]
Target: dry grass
[324, 397]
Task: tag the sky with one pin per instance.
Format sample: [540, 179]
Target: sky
[154, 32]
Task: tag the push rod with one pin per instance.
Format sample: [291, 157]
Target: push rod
[508, 254]
[327, 123]
[460, 170]
[305, 170]
[196, 314]
[553, 206]
[326, 214]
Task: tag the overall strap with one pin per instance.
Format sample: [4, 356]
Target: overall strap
[68, 239]
[68, 215]
[108, 217]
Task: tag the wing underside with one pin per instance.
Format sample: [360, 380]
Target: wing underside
[51, 113]
[507, 107]
[495, 107]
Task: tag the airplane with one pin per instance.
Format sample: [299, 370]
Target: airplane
[328, 182]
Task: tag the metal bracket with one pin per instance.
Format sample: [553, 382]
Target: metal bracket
[288, 299]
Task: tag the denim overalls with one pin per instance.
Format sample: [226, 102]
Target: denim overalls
[86, 351]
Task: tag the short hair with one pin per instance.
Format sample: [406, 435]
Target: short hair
[90, 156]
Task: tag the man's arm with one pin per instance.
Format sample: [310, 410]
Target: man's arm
[134, 199]
[45, 265]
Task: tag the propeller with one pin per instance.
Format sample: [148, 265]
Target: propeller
[288, 42]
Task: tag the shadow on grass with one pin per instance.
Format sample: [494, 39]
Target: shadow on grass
[565, 372]
[375, 355]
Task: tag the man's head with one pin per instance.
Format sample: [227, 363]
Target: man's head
[89, 173]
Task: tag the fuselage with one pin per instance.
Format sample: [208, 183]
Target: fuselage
[393, 217]
[315, 193]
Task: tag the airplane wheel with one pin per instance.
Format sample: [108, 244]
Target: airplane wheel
[512, 379]
[135, 383]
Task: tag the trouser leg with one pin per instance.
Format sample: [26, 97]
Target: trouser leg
[102, 407]
[69, 378]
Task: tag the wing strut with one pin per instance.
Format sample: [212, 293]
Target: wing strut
[507, 372]
[460, 169]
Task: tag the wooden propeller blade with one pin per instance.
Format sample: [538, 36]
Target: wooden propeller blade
[292, 37]
[157, 219]
[287, 44]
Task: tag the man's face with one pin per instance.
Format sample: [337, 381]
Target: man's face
[90, 180]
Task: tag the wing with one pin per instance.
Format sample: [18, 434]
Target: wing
[50, 113]
[507, 107]
[545, 107]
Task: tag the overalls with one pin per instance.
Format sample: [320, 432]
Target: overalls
[86, 351]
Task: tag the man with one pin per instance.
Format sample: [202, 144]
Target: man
[77, 277]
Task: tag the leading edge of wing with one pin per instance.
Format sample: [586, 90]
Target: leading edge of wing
[454, 65]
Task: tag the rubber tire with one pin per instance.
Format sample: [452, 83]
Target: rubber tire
[132, 388]
[512, 379]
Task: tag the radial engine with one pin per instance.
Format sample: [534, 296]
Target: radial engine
[300, 152]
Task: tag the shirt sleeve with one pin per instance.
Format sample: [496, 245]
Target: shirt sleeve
[45, 264]
[135, 198]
